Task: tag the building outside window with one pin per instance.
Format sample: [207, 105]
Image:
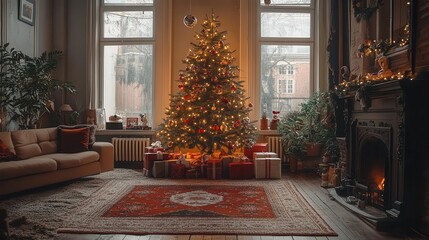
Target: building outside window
[286, 42]
[127, 44]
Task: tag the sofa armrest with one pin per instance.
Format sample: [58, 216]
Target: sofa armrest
[105, 149]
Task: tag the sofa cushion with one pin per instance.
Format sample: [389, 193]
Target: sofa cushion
[34, 142]
[73, 140]
[26, 167]
[70, 160]
[92, 129]
[5, 153]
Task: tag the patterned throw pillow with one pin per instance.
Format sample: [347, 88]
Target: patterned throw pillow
[5, 153]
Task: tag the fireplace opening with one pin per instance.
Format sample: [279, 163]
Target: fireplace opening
[371, 179]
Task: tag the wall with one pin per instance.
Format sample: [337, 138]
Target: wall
[20, 35]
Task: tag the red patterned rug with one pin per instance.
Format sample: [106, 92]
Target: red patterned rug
[163, 206]
[193, 201]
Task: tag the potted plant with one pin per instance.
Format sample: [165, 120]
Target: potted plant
[290, 126]
[27, 85]
[308, 131]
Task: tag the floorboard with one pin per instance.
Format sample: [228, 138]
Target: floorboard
[347, 225]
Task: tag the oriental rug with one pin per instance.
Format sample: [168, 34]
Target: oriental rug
[165, 206]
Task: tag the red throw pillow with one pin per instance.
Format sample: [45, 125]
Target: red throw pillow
[5, 153]
[74, 140]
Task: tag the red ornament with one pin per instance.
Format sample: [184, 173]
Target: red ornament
[181, 86]
[187, 121]
[250, 104]
[186, 97]
[214, 52]
[237, 123]
[225, 101]
[215, 127]
[203, 108]
[201, 131]
[232, 88]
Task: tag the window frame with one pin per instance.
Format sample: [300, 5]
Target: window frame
[114, 41]
[260, 41]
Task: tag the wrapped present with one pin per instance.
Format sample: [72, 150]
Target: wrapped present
[241, 170]
[178, 170]
[149, 158]
[226, 160]
[257, 147]
[268, 168]
[161, 169]
[264, 155]
[214, 169]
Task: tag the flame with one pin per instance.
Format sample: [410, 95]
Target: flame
[380, 186]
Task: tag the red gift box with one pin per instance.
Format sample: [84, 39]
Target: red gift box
[257, 147]
[149, 158]
[241, 170]
[214, 169]
[178, 170]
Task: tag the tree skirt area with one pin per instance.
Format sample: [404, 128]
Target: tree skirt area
[125, 202]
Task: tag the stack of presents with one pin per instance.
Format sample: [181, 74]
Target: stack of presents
[253, 163]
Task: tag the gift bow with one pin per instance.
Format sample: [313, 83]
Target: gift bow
[156, 144]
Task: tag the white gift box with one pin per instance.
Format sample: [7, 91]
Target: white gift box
[268, 168]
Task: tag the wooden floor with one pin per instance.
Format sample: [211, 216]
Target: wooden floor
[343, 222]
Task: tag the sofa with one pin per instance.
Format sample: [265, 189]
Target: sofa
[39, 157]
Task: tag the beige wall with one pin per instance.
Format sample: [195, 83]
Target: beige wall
[229, 15]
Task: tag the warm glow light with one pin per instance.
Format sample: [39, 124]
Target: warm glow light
[381, 185]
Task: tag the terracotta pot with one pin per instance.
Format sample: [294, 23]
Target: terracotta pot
[313, 149]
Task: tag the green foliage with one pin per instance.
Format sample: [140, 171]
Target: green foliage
[27, 85]
[313, 124]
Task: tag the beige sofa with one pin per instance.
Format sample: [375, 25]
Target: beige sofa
[41, 164]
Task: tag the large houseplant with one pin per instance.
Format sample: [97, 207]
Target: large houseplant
[303, 130]
[27, 85]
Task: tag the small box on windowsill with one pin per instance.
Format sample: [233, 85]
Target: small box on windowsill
[114, 126]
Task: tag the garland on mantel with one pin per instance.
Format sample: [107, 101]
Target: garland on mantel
[365, 12]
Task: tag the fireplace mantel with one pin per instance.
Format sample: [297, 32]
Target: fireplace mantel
[398, 109]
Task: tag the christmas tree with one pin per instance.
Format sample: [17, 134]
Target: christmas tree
[209, 112]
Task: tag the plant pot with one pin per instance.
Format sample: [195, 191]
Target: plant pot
[313, 149]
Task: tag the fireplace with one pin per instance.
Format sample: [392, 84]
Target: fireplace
[373, 159]
[382, 151]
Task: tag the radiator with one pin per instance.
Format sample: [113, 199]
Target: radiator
[129, 149]
[275, 145]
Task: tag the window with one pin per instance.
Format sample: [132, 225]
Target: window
[286, 86]
[290, 70]
[286, 42]
[289, 86]
[282, 69]
[127, 45]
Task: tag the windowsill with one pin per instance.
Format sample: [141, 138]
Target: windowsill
[130, 132]
[269, 132]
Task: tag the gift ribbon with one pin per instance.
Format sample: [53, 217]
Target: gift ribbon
[159, 155]
[267, 168]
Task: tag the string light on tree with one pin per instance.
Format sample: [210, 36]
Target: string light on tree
[211, 110]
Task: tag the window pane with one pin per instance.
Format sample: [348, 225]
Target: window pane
[129, 2]
[276, 93]
[300, 3]
[128, 24]
[128, 80]
[292, 25]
